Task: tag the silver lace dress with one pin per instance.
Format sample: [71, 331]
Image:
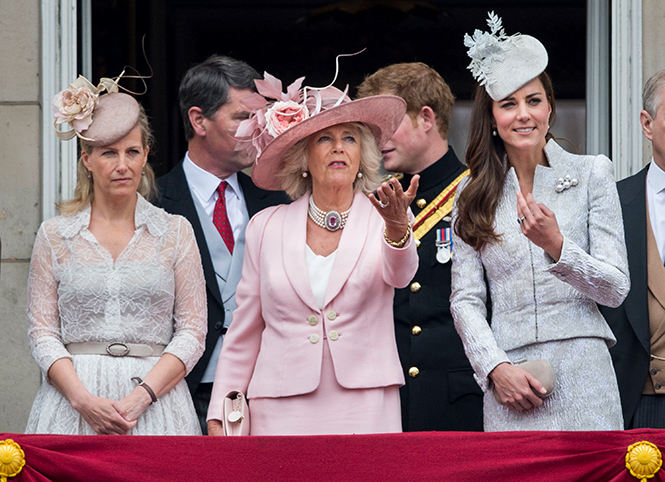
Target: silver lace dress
[153, 293]
[547, 310]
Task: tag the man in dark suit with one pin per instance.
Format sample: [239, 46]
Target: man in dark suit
[440, 391]
[639, 323]
[208, 188]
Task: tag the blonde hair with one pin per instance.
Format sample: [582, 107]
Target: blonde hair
[84, 192]
[295, 162]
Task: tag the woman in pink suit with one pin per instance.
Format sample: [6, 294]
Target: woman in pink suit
[312, 342]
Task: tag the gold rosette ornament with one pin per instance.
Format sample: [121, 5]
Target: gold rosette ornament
[643, 460]
[12, 459]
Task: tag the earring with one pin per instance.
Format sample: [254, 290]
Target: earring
[360, 175]
[143, 173]
[494, 132]
[89, 175]
[304, 174]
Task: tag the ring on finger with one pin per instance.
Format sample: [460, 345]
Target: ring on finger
[521, 220]
[383, 204]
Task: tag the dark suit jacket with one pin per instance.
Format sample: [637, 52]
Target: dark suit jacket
[176, 198]
[444, 395]
[630, 321]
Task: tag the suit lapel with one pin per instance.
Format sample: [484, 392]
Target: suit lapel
[633, 200]
[350, 246]
[177, 199]
[254, 197]
[294, 239]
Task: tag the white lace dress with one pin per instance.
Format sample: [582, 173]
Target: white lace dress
[153, 293]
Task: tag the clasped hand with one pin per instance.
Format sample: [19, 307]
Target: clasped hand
[517, 388]
[112, 417]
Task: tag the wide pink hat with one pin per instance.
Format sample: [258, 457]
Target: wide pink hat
[382, 114]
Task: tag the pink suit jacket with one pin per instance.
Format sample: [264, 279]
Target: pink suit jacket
[269, 350]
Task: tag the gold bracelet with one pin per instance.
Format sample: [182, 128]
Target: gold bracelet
[401, 242]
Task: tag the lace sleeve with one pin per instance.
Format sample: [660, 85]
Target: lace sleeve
[601, 274]
[43, 315]
[189, 311]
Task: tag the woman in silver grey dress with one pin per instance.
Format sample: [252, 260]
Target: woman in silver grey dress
[539, 232]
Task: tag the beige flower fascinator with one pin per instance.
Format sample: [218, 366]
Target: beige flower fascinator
[98, 119]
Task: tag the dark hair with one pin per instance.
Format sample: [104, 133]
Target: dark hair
[487, 161]
[419, 85]
[206, 86]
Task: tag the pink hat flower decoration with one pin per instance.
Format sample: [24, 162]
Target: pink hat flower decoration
[273, 112]
[270, 118]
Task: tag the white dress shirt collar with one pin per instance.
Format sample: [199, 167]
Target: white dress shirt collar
[205, 184]
[656, 177]
[656, 202]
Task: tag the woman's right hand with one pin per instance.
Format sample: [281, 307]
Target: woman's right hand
[516, 387]
[103, 416]
[215, 427]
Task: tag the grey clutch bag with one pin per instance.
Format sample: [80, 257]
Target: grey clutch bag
[542, 371]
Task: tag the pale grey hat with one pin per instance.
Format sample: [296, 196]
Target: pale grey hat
[504, 64]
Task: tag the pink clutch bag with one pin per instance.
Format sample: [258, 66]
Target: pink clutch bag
[236, 414]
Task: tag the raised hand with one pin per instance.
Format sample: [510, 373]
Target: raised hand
[539, 224]
[393, 203]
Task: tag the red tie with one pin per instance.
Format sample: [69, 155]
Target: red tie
[220, 219]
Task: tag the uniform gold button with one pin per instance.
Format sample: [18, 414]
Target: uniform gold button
[421, 203]
[333, 335]
[312, 320]
[416, 330]
[417, 243]
[415, 287]
[331, 315]
[413, 372]
[314, 338]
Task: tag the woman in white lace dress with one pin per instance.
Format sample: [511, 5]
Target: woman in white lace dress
[116, 294]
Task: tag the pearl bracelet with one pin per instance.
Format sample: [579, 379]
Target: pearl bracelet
[401, 242]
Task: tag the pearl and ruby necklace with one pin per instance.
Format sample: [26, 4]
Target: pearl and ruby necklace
[331, 220]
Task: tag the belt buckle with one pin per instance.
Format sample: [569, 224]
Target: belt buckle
[110, 352]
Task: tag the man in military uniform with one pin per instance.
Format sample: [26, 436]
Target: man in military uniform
[440, 391]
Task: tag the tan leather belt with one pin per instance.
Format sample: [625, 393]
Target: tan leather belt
[115, 348]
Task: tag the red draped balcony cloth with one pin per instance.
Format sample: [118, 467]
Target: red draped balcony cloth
[425, 456]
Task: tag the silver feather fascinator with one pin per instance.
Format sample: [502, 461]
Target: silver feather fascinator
[504, 63]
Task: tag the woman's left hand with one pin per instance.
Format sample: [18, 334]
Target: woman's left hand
[133, 405]
[539, 224]
[393, 203]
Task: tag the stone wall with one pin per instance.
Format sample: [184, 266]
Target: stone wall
[20, 209]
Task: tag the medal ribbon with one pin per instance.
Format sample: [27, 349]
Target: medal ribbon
[440, 207]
